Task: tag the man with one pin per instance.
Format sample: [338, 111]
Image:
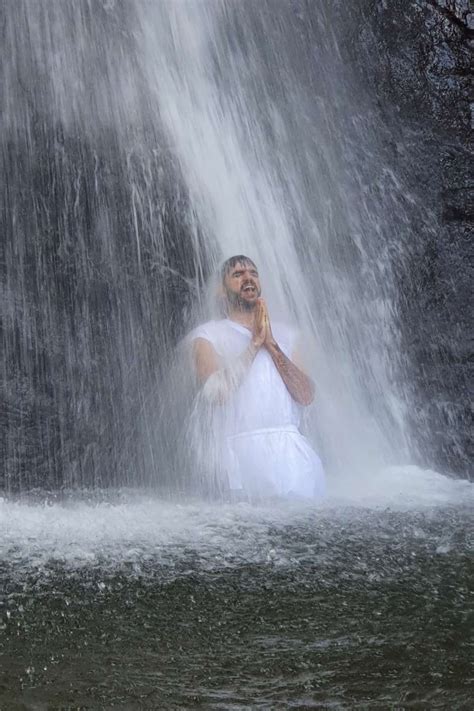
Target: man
[250, 374]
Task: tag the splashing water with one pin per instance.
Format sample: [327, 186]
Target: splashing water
[271, 173]
[107, 529]
[144, 143]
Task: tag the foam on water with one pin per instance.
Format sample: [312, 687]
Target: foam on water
[137, 529]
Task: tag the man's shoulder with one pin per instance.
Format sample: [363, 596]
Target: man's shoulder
[208, 330]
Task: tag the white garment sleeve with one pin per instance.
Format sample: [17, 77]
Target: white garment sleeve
[216, 388]
[204, 331]
[223, 382]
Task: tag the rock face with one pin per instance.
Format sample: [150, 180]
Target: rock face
[88, 313]
[84, 321]
[416, 54]
[86, 309]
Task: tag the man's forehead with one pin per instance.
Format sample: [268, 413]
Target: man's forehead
[241, 264]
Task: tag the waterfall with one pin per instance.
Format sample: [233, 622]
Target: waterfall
[283, 162]
[143, 143]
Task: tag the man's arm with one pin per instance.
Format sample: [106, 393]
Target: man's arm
[299, 385]
[220, 381]
[206, 361]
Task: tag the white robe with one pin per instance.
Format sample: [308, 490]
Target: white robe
[262, 449]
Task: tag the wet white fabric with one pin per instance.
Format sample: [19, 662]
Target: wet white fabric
[262, 449]
[275, 462]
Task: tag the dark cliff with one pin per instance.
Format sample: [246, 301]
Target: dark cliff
[421, 53]
[413, 56]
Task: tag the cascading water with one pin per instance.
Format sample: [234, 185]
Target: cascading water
[259, 122]
[96, 272]
[153, 141]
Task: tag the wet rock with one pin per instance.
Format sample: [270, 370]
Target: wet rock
[422, 81]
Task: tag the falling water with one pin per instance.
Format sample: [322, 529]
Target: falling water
[99, 257]
[144, 143]
[282, 162]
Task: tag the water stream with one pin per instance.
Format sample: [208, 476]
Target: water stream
[270, 139]
[145, 143]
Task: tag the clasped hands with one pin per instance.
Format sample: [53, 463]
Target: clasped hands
[262, 332]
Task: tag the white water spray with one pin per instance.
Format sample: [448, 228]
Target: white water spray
[286, 201]
[146, 142]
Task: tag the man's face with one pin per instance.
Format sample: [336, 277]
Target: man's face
[242, 286]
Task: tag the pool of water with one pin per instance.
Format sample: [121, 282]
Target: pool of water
[122, 599]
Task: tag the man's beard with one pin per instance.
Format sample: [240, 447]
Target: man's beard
[236, 301]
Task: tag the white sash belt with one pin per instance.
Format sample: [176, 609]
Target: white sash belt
[290, 429]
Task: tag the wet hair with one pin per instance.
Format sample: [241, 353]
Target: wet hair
[232, 262]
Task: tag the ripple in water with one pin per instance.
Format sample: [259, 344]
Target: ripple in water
[127, 526]
[143, 603]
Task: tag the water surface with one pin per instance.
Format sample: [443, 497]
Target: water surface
[126, 600]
